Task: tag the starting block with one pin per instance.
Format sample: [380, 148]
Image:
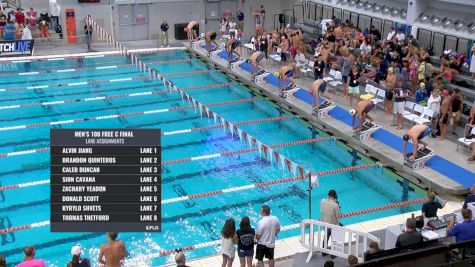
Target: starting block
[288, 91]
[423, 155]
[214, 54]
[323, 109]
[367, 129]
[259, 78]
[196, 44]
[235, 65]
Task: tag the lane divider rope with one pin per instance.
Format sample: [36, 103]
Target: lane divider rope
[114, 116]
[108, 97]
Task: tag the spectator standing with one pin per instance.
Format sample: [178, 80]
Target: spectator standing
[112, 253]
[262, 14]
[400, 95]
[470, 197]
[401, 37]
[232, 28]
[227, 242]
[345, 71]
[3, 23]
[434, 104]
[88, 33]
[30, 260]
[77, 261]
[164, 36]
[10, 31]
[429, 209]
[31, 17]
[411, 237]
[330, 211]
[3, 262]
[244, 237]
[267, 230]
[180, 260]
[445, 109]
[421, 93]
[319, 67]
[223, 26]
[44, 30]
[240, 19]
[20, 17]
[462, 231]
[472, 62]
[26, 35]
[391, 35]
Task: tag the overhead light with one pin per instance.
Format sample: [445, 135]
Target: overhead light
[471, 29]
[424, 18]
[361, 4]
[458, 25]
[435, 20]
[470, 26]
[339, 2]
[354, 2]
[403, 14]
[386, 10]
[376, 8]
[394, 12]
[368, 6]
[345, 2]
[446, 22]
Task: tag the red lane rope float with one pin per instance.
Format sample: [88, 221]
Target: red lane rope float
[169, 61]
[99, 98]
[257, 185]
[242, 151]
[114, 116]
[45, 149]
[186, 73]
[385, 207]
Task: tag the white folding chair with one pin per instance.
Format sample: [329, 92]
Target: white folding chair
[416, 113]
[408, 108]
[276, 57]
[426, 116]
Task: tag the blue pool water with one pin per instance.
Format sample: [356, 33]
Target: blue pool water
[188, 222]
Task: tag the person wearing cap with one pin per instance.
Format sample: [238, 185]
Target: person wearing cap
[330, 211]
[30, 260]
[77, 261]
[416, 133]
[362, 111]
[421, 93]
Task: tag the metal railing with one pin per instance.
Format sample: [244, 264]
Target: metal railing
[344, 241]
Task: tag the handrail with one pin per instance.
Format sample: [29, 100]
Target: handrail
[345, 241]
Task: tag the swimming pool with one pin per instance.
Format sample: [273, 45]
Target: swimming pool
[71, 98]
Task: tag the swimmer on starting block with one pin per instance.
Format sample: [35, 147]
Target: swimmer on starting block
[230, 47]
[416, 133]
[255, 60]
[210, 38]
[362, 111]
[284, 75]
[192, 30]
[318, 88]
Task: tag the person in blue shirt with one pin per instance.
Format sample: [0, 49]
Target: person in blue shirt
[462, 231]
[470, 197]
[421, 93]
[9, 30]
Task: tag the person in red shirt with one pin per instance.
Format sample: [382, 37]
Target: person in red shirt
[20, 17]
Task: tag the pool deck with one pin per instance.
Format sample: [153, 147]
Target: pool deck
[386, 155]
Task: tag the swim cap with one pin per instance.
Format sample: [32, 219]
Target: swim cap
[276, 74]
[76, 250]
[422, 84]
[202, 35]
[391, 70]
[352, 112]
[405, 137]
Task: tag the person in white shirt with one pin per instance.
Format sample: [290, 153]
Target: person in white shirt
[330, 211]
[267, 229]
[391, 34]
[26, 35]
[232, 29]
[227, 242]
[434, 104]
[300, 61]
[400, 36]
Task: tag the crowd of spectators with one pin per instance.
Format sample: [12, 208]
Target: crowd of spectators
[16, 25]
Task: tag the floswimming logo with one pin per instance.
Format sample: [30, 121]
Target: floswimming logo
[16, 48]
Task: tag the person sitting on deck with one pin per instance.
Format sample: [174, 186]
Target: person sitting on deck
[284, 75]
[230, 48]
[318, 88]
[416, 133]
[255, 60]
[210, 39]
[362, 111]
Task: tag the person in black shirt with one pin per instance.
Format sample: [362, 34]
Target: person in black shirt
[164, 36]
[319, 67]
[470, 197]
[375, 32]
[88, 33]
[410, 237]
[3, 22]
[429, 209]
[240, 19]
[244, 237]
[354, 86]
